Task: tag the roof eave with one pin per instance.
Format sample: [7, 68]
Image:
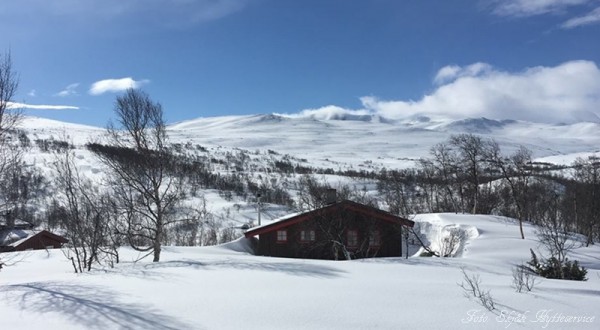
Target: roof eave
[357, 207]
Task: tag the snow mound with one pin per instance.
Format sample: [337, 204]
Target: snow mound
[242, 244]
[446, 239]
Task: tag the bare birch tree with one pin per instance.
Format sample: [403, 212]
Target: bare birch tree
[516, 172]
[86, 217]
[139, 160]
[587, 204]
[471, 151]
[10, 115]
[10, 155]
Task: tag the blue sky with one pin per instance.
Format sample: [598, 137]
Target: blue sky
[523, 59]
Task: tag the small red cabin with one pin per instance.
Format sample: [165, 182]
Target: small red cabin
[21, 240]
[341, 230]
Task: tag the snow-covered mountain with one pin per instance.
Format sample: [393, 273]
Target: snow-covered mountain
[352, 141]
[391, 143]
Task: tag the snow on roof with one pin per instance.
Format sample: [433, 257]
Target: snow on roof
[280, 219]
[14, 237]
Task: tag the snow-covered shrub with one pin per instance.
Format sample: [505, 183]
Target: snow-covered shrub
[552, 268]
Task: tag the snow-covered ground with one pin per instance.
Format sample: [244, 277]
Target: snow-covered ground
[225, 287]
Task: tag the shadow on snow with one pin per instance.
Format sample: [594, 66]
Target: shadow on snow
[91, 307]
[290, 268]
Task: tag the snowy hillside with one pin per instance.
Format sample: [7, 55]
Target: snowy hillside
[254, 144]
[224, 287]
[390, 143]
[351, 141]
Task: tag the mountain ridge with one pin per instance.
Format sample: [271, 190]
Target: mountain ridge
[351, 141]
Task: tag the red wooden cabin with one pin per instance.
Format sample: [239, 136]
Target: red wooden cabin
[341, 230]
[21, 240]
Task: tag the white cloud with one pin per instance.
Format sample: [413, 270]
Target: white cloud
[32, 93]
[329, 112]
[590, 18]
[569, 92]
[203, 11]
[525, 8]
[68, 91]
[40, 106]
[154, 12]
[452, 72]
[115, 85]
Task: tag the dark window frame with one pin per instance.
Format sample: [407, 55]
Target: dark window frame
[352, 238]
[281, 236]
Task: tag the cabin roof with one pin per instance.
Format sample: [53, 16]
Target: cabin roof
[16, 237]
[294, 218]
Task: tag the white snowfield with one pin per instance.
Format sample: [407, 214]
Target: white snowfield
[226, 287]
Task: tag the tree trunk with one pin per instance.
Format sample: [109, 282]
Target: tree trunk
[156, 251]
[521, 228]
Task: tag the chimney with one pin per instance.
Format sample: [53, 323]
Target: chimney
[10, 220]
[330, 196]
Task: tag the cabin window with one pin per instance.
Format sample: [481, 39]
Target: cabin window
[375, 238]
[352, 238]
[281, 236]
[307, 236]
